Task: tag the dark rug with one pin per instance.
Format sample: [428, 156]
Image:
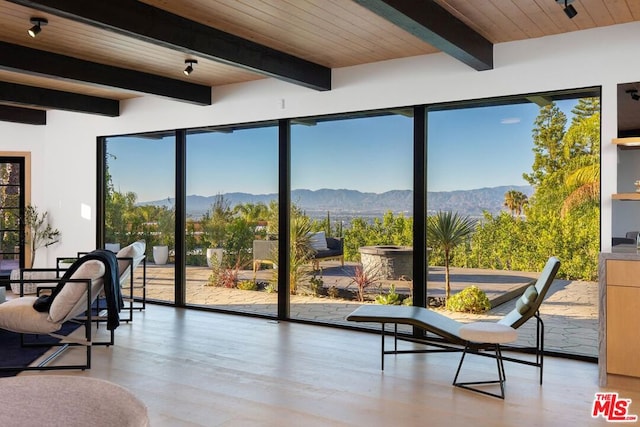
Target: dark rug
[13, 354]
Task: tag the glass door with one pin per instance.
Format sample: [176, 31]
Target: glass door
[12, 181]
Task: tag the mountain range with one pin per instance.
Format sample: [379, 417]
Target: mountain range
[353, 202]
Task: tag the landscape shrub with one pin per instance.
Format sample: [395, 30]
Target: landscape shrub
[248, 285]
[469, 300]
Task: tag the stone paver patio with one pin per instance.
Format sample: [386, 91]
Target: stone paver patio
[570, 311]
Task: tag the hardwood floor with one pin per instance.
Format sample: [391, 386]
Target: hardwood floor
[198, 368]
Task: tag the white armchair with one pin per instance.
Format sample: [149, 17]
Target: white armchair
[129, 258]
[72, 302]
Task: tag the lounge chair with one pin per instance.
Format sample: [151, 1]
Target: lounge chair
[73, 302]
[448, 330]
[129, 258]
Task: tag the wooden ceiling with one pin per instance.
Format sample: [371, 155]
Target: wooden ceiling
[91, 55]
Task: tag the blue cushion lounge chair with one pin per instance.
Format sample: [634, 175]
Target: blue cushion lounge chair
[446, 330]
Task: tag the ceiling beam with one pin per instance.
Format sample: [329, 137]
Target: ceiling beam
[26, 116]
[136, 19]
[539, 100]
[40, 62]
[59, 100]
[432, 23]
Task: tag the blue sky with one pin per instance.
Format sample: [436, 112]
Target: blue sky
[468, 149]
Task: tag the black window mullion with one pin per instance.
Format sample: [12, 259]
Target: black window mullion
[284, 209]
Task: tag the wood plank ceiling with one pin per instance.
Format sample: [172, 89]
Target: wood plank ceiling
[91, 55]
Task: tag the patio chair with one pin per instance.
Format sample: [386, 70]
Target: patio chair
[70, 300]
[263, 253]
[447, 330]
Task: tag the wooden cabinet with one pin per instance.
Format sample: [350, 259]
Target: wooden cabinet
[623, 318]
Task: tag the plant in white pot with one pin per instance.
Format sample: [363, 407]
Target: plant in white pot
[39, 232]
[214, 226]
[166, 224]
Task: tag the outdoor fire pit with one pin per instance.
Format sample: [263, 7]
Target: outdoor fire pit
[388, 262]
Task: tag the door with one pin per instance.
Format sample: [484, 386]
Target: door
[12, 205]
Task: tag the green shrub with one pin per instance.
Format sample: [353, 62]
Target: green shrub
[392, 298]
[247, 285]
[333, 292]
[469, 300]
[316, 283]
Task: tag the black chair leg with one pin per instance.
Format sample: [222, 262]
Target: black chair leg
[501, 375]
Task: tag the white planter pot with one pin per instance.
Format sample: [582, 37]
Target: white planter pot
[160, 254]
[217, 252]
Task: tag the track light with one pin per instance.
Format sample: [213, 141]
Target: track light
[189, 68]
[38, 23]
[569, 10]
[634, 94]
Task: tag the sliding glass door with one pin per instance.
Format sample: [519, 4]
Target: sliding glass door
[232, 218]
[140, 205]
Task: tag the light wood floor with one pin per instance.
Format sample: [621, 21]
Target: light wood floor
[197, 368]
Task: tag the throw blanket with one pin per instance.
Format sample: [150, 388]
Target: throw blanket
[111, 286]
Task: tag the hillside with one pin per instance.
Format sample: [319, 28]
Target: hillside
[353, 202]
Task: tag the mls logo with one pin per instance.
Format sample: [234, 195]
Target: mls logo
[612, 408]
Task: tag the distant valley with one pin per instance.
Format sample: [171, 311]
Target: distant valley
[351, 203]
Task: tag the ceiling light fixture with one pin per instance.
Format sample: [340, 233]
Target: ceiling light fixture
[189, 68]
[569, 10]
[38, 23]
[634, 94]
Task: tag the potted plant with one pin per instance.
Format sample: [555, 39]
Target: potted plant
[39, 232]
[65, 263]
[214, 225]
[166, 224]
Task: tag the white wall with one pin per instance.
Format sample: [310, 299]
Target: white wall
[65, 181]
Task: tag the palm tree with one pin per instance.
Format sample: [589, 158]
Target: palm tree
[252, 212]
[515, 201]
[447, 230]
[585, 182]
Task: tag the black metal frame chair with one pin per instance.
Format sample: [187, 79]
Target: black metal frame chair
[85, 315]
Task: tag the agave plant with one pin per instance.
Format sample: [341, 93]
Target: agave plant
[300, 253]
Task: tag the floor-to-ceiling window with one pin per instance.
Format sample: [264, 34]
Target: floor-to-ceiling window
[522, 181]
[232, 217]
[140, 205]
[521, 176]
[351, 215]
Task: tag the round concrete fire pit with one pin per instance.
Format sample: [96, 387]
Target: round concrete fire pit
[387, 261]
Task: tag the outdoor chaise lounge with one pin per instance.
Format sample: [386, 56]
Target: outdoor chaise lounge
[447, 330]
